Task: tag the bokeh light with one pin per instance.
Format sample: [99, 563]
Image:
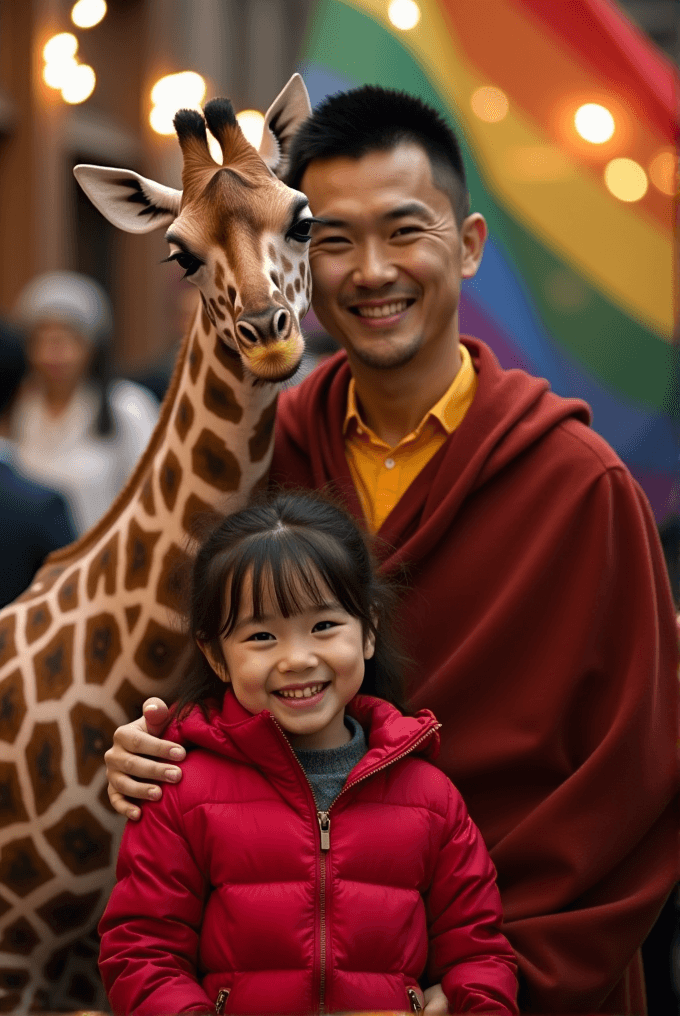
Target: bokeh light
[251, 122]
[489, 104]
[594, 123]
[79, 84]
[404, 14]
[88, 13]
[663, 172]
[60, 48]
[57, 72]
[184, 90]
[626, 179]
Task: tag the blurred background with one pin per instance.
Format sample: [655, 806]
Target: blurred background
[568, 116]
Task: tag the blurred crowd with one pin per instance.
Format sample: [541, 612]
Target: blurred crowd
[70, 432]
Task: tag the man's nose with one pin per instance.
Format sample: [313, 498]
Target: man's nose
[374, 267]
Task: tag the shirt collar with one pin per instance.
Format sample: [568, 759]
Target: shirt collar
[447, 411]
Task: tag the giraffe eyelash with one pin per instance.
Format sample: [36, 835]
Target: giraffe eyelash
[190, 268]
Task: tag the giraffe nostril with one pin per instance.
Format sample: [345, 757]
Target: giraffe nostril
[248, 333]
[280, 322]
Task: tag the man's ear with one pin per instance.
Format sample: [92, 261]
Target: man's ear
[473, 233]
[217, 664]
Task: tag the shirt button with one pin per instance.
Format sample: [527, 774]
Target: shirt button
[389, 463]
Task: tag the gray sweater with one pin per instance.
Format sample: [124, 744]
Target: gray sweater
[328, 768]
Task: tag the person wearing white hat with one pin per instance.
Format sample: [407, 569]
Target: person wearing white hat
[75, 429]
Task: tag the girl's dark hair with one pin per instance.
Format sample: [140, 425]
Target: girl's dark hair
[289, 545]
[374, 119]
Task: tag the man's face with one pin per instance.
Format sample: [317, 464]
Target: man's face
[387, 263]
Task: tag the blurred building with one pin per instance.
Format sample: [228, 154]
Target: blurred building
[245, 49]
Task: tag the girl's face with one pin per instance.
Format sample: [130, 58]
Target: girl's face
[304, 669]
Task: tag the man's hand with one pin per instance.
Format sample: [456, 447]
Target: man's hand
[125, 759]
[436, 1003]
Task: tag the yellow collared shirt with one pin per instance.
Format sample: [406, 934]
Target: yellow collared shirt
[382, 474]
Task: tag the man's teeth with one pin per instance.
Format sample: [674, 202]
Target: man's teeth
[386, 310]
[311, 689]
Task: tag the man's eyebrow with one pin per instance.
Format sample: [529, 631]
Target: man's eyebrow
[411, 209]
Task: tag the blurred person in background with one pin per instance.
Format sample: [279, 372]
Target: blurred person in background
[74, 428]
[34, 520]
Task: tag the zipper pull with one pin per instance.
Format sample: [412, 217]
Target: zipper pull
[221, 1000]
[325, 829]
[414, 1000]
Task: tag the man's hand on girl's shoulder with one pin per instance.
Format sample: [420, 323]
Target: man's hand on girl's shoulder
[131, 759]
[436, 1003]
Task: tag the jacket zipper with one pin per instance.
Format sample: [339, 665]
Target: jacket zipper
[323, 818]
[221, 1000]
[414, 1000]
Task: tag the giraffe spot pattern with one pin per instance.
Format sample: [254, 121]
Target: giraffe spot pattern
[213, 462]
[12, 808]
[19, 937]
[38, 620]
[174, 580]
[205, 322]
[273, 253]
[68, 911]
[303, 270]
[229, 358]
[184, 417]
[67, 597]
[170, 477]
[146, 497]
[10, 1002]
[12, 706]
[290, 293]
[159, 651]
[231, 293]
[263, 433]
[139, 548]
[81, 841]
[219, 398]
[93, 735]
[43, 758]
[4, 906]
[8, 647]
[42, 582]
[82, 989]
[11, 977]
[22, 869]
[53, 665]
[132, 616]
[103, 567]
[102, 647]
[196, 356]
[198, 516]
[217, 310]
[219, 276]
[276, 279]
[287, 265]
[130, 700]
[298, 285]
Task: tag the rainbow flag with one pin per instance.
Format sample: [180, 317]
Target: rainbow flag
[577, 284]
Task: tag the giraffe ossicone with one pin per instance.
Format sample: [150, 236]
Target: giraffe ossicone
[98, 630]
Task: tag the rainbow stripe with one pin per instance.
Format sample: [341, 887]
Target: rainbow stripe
[576, 285]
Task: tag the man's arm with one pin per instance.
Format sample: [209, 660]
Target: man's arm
[126, 761]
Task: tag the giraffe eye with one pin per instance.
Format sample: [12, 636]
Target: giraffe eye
[187, 261]
[300, 231]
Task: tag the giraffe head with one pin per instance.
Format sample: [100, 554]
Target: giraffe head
[240, 234]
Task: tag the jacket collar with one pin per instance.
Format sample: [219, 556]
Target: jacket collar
[233, 732]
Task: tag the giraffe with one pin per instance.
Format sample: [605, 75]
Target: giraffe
[97, 631]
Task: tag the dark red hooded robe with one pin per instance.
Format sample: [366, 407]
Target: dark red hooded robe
[539, 618]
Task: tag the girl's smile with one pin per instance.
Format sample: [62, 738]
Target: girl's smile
[304, 668]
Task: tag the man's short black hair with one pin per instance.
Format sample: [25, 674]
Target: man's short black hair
[373, 119]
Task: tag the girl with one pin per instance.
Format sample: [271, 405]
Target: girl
[311, 860]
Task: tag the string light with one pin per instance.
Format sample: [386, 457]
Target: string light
[626, 179]
[251, 122]
[404, 14]
[489, 104]
[88, 13]
[62, 70]
[184, 90]
[594, 123]
[79, 84]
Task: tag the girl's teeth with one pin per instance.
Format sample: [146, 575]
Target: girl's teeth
[302, 692]
[387, 310]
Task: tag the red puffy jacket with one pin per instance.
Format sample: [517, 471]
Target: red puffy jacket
[228, 887]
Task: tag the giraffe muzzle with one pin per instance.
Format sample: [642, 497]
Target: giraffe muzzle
[263, 327]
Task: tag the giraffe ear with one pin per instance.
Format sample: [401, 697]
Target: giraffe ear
[288, 110]
[131, 202]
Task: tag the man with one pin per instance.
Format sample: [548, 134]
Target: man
[536, 606]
